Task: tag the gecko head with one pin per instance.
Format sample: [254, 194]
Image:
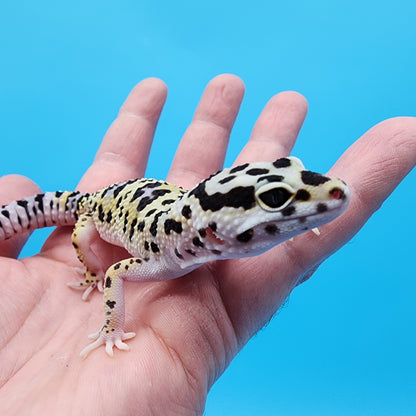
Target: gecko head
[258, 205]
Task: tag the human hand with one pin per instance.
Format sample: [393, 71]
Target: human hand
[188, 329]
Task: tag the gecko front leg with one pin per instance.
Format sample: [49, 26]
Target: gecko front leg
[112, 334]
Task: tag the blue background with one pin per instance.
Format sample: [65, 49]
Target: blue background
[345, 343]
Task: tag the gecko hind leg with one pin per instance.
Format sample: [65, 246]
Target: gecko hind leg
[83, 235]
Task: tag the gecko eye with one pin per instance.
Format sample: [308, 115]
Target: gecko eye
[275, 197]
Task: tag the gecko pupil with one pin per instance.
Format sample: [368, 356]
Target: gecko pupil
[276, 197]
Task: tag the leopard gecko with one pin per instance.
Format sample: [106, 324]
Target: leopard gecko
[238, 212]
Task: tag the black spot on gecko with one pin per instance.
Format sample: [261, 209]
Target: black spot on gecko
[238, 168]
[213, 226]
[282, 163]
[6, 213]
[321, 207]
[151, 212]
[168, 201]
[226, 179]
[39, 199]
[191, 252]
[271, 229]
[140, 226]
[187, 212]
[160, 192]
[100, 213]
[202, 232]
[246, 236]
[109, 216]
[108, 282]
[104, 192]
[125, 222]
[302, 195]
[137, 193]
[146, 245]
[24, 205]
[197, 242]
[257, 171]
[133, 224]
[240, 196]
[215, 251]
[117, 266]
[172, 225]
[178, 255]
[288, 211]
[154, 247]
[271, 178]
[117, 190]
[111, 303]
[153, 226]
[144, 202]
[312, 178]
[153, 184]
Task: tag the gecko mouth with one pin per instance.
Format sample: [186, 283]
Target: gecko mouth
[322, 211]
[213, 237]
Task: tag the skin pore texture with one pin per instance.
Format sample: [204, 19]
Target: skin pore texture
[188, 329]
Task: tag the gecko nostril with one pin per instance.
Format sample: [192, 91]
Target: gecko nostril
[337, 193]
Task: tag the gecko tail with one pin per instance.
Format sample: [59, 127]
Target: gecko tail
[39, 211]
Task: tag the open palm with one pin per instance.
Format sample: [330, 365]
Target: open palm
[188, 329]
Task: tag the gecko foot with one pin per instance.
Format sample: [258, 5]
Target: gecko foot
[91, 282]
[109, 340]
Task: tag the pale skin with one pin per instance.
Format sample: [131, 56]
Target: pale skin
[188, 329]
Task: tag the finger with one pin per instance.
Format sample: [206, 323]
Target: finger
[372, 167]
[277, 128]
[125, 149]
[14, 187]
[204, 144]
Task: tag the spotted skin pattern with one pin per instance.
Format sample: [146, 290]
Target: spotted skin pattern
[238, 212]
